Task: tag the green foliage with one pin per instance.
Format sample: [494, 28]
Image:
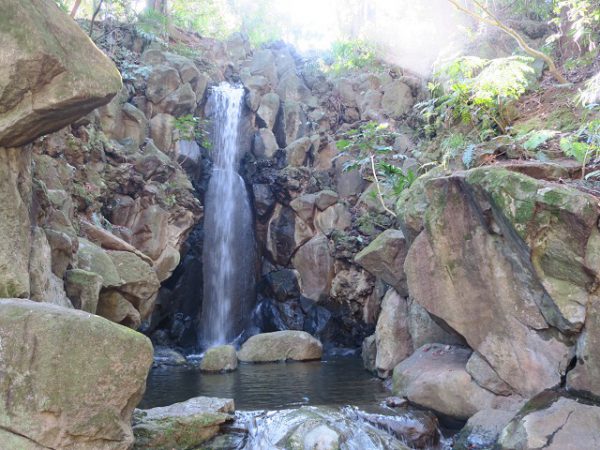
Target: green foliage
[212, 18]
[62, 5]
[582, 19]
[349, 55]
[584, 144]
[534, 139]
[370, 143]
[153, 26]
[475, 91]
[191, 128]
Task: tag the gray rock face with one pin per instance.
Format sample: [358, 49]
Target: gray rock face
[52, 73]
[316, 267]
[397, 99]
[268, 110]
[180, 425]
[54, 393]
[553, 422]
[434, 377]
[482, 429]
[281, 346]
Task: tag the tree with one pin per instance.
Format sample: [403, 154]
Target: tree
[75, 8]
[159, 6]
[486, 16]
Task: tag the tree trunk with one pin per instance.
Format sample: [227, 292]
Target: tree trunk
[159, 6]
[75, 8]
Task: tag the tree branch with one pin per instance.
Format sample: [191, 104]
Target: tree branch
[490, 19]
[379, 193]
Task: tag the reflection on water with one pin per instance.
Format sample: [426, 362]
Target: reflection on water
[335, 382]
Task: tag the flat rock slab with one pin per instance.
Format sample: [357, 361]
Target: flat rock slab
[180, 425]
[281, 346]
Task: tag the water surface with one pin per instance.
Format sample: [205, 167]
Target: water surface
[333, 382]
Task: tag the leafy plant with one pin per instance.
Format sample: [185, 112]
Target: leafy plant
[473, 90]
[348, 55]
[153, 26]
[584, 144]
[580, 19]
[192, 128]
[372, 141]
[534, 139]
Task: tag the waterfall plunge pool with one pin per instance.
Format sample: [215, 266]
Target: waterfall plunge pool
[336, 381]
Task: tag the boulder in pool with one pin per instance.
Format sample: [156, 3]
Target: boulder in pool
[180, 425]
[281, 346]
[219, 359]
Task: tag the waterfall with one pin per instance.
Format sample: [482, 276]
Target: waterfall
[228, 257]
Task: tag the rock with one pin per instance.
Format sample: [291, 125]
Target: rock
[134, 124]
[354, 287]
[304, 207]
[112, 305]
[434, 377]
[264, 200]
[336, 217]
[292, 88]
[54, 393]
[168, 357]
[282, 284]
[296, 151]
[268, 110]
[416, 429]
[485, 376]
[263, 63]
[285, 234]
[424, 330]
[585, 376]
[180, 425]
[553, 422]
[15, 201]
[162, 127]
[369, 353]
[290, 124]
[180, 102]
[281, 346]
[93, 259]
[138, 281]
[392, 335]
[161, 82]
[450, 276]
[83, 289]
[385, 257]
[326, 198]
[53, 74]
[321, 438]
[219, 359]
[315, 265]
[265, 144]
[369, 105]
[347, 183]
[482, 429]
[397, 99]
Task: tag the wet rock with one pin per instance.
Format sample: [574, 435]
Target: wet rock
[282, 284]
[168, 357]
[180, 425]
[264, 200]
[219, 359]
[385, 257]
[369, 353]
[315, 265]
[585, 376]
[553, 422]
[435, 377]
[53, 74]
[322, 438]
[418, 430]
[280, 346]
[88, 406]
[392, 335]
[482, 429]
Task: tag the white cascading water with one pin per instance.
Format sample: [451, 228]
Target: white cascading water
[228, 255]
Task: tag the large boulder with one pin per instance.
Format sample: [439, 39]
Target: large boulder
[180, 425]
[15, 203]
[585, 376]
[316, 267]
[502, 258]
[554, 422]
[55, 394]
[435, 377]
[281, 346]
[52, 72]
[397, 99]
[384, 258]
[219, 359]
[285, 233]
